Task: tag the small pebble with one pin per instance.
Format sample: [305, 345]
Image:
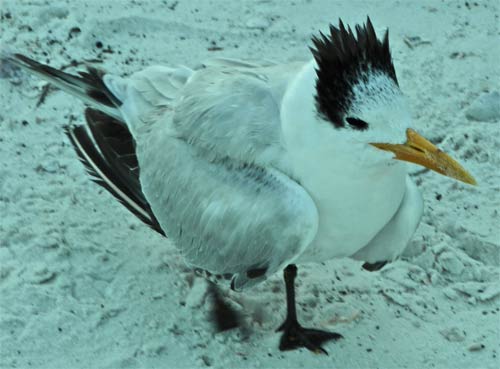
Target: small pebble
[258, 23]
[414, 41]
[47, 242]
[453, 334]
[10, 71]
[49, 13]
[435, 277]
[450, 293]
[196, 295]
[48, 166]
[73, 32]
[154, 349]
[476, 347]
[40, 274]
[206, 360]
[451, 263]
[485, 108]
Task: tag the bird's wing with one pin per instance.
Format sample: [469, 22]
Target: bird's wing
[209, 172]
[208, 146]
[234, 111]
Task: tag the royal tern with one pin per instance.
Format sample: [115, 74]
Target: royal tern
[253, 167]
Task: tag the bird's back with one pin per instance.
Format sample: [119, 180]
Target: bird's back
[226, 107]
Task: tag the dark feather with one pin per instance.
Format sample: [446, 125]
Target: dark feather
[88, 85]
[117, 146]
[343, 59]
[105, 175]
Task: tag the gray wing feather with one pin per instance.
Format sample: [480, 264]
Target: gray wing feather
[232, 117]
[233, 111]
[226, 217]
[208, 170]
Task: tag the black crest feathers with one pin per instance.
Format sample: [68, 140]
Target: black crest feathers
[344, 57]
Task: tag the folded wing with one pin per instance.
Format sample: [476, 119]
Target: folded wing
[214, 172]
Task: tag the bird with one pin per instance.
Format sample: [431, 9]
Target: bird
[253, 167]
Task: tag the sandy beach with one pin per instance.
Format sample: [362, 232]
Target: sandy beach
[84, 284]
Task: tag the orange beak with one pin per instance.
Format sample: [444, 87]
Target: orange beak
[418, 150]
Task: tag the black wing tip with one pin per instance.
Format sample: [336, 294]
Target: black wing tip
[102, 174]
[89, 82]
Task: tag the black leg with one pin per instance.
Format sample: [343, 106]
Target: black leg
[294, 335]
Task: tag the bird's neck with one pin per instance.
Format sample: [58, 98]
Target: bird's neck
[348, 181]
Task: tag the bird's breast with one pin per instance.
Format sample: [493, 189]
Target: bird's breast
[353, 207]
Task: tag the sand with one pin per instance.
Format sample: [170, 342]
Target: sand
[83, 284]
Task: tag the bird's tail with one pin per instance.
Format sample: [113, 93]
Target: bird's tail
[88, 86]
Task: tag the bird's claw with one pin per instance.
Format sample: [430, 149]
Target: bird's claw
[295, 336]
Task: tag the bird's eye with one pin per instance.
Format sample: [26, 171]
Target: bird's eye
[356, 123]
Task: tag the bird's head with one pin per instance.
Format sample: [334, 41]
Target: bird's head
[357, 106]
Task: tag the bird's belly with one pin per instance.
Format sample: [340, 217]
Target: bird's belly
[352, 213]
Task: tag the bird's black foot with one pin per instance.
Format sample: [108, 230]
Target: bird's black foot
[295, 336]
